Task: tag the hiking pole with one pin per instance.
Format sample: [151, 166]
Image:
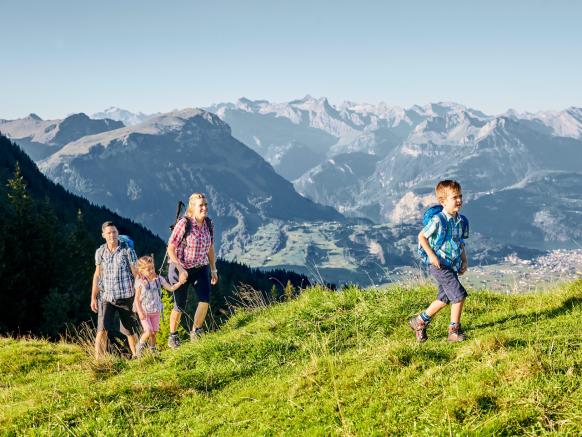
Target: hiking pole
[178, 211]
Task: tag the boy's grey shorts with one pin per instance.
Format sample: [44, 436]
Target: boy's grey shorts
[450, 289]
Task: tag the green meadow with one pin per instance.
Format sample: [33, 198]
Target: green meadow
[325, 363]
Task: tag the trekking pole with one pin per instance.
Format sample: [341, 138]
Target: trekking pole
[178, 211]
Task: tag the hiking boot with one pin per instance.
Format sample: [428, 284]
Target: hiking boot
[195, 334]
[139, 349]
[173, 341]
[456, 333]
[418, 326]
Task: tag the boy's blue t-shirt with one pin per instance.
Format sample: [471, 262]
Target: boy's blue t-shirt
[450, 252]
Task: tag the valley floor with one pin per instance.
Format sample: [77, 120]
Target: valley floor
[515, 275]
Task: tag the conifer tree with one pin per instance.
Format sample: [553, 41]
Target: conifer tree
[17, 194]
[289, 290]
[274, 293]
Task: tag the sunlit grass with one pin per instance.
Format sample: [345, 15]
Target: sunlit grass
[327, 363]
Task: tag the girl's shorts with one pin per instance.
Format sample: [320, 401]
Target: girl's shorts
[151, 322]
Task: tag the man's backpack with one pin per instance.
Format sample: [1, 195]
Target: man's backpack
[127, 240]
[437, 210]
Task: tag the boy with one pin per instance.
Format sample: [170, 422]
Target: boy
[446, 262]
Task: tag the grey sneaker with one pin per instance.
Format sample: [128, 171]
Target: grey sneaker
[173, 341]
[196, 333]
[418, 326]
[456, 333]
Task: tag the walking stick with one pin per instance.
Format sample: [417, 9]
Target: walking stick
[178, 212]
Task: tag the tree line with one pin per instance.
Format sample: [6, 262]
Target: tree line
[48, 239]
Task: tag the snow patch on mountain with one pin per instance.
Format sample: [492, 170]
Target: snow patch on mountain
[128, 118]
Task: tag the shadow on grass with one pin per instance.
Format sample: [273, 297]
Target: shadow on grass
[480, 405]
[567, 306]
[405, 357]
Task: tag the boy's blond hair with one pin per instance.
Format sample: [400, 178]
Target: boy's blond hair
[445, 187]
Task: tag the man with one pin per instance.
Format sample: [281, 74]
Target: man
[114, 272]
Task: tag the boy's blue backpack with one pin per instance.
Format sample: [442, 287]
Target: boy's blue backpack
[437, 210]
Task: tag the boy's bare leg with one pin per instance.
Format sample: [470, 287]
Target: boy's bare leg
[100, 344]
[435, 307]
[456, 310]
[200, 314]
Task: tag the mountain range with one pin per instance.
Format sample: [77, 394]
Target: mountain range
[382, 162]
[269, 169]
[142, 171]
[41, 138]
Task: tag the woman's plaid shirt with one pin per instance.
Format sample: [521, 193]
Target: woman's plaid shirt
[192, 249]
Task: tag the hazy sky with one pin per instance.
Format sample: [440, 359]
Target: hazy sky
[60, 57]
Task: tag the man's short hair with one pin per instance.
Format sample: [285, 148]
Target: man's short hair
[106, 225]
[445, 187]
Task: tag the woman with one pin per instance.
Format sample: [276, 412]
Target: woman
[191, 249]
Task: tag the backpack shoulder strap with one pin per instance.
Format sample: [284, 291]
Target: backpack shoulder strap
[125, 247]
[442, 230]
[100, 253]
[210, 226]
[186, 228]
[464, 224]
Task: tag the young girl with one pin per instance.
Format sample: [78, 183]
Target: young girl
[148, 301]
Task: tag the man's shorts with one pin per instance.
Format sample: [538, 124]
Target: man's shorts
[199, 278]
[128, 321]
[450, 289]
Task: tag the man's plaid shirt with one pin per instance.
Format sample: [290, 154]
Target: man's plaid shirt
[116, 277]
[191, 249]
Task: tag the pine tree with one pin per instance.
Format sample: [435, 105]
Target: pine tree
[17, 193]
[274, 293]
[289, 291]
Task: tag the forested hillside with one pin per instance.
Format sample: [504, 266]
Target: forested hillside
[48, 238]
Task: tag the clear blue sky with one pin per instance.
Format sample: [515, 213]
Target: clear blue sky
[59, 57]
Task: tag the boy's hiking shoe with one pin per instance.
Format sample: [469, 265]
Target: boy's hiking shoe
[418, 326]
[195, 334]
[173, 341]
[456, 333]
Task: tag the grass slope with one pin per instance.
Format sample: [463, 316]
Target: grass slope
[328, 363]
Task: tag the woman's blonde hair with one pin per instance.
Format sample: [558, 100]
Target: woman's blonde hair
[190, 210]
[144, 263]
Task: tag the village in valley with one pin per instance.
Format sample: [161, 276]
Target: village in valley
[514, 275]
